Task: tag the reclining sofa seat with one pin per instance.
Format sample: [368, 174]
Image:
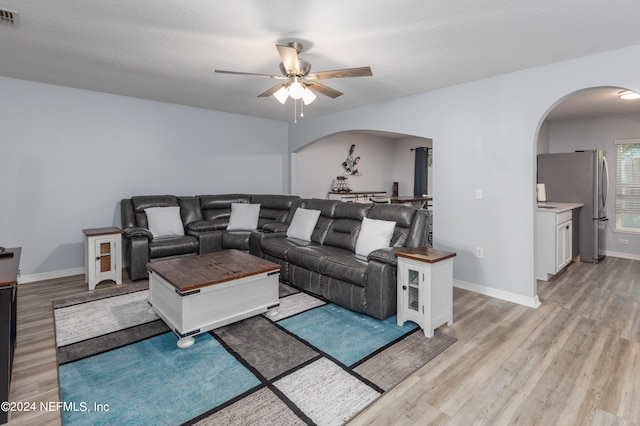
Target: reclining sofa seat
[328, 266]
[139, 245]
[205, 219]
[216, 211]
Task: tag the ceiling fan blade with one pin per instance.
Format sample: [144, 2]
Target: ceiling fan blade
[289, 58]
[347, 72]
[277, 77]
[271, 91]
[322, 89]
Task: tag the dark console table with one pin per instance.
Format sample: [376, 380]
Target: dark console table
[8, 292]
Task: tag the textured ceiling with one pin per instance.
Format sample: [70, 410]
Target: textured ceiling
[167, 50]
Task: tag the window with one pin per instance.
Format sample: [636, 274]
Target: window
[628, 185]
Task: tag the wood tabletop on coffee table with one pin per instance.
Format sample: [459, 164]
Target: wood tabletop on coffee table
[192, 272]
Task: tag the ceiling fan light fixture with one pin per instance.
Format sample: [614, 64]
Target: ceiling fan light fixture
[308, 96]
[296, 90]
[629, 95]
[281, 94]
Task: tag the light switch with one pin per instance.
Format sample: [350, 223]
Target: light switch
[478, 194]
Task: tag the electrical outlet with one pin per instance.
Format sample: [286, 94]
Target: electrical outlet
[478, 194]
[622, 241]
[479, 252]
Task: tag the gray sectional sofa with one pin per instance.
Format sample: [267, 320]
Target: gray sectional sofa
[204, 221]
[326, 265]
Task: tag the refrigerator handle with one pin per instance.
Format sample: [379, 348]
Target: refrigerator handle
[605, 186]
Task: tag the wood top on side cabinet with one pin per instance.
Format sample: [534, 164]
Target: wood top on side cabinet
[9, 266]
[425, 254]
[94, 232]
[192, 272]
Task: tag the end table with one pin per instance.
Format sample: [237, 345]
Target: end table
[103, 255]
[425, 287]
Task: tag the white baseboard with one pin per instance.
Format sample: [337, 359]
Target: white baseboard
[623, 255]
[531, 302]
[50, 275]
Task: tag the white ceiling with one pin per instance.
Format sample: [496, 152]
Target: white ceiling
[601, 101]
[167, 50]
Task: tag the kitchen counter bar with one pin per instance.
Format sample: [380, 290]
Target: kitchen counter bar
[557, 207]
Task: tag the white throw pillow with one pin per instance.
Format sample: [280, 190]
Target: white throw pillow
[374, 234]
[243, 216]
[164, 221]
[303, 223]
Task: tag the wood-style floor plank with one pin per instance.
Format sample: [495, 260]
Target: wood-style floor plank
[574, 360]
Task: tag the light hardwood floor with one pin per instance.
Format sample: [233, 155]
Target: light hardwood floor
[573, 361]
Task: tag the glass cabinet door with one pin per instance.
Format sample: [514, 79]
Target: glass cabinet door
[105, 260]
[413, 287]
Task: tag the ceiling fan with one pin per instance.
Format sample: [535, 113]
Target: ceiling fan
[298, 80]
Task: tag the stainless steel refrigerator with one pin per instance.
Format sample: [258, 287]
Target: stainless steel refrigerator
[580, 177]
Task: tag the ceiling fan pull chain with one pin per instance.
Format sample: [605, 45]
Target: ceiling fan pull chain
[301, 109]
[295, 111]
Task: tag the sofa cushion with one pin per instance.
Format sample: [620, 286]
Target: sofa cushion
[346, 268]
[311, 256]
[164, 221]
[299, 202]
[142, 202]
[279, 247]
[374, 234]
[172, 246]
[190, 209]
[243, 217]
[327, 210]
[344, 228]
[218, 207]
[238, 240]
[403, 216]
[303, 223]
[273, 208]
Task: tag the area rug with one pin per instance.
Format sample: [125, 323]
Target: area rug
[315, 363]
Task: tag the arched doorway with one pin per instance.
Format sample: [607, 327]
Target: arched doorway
[586, 120]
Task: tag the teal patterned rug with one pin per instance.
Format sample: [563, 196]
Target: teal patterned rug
[316, 363]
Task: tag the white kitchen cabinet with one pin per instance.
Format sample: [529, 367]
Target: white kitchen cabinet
[563, 244]
[554, 230]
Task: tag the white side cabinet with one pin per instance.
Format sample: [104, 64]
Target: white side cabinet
[103, 255]
[425, 288]
[554, 230]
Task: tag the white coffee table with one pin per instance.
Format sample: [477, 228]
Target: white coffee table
[195, 294]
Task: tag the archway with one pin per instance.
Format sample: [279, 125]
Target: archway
[591, 119]
[384, 158]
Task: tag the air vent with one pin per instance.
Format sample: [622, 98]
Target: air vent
[9, 18]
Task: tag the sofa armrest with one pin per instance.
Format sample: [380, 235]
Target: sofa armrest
[386, 255]
[275, 227]
[209, 241]
[256, 237]
[380, 287]
[197, 226]
[137, 232]
[137, 254]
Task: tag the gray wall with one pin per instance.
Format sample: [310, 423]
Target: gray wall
[600, 133]
[68, 156]
[485, 136]
[315, 168]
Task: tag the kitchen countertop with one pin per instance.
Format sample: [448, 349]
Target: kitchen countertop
[553, 207]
